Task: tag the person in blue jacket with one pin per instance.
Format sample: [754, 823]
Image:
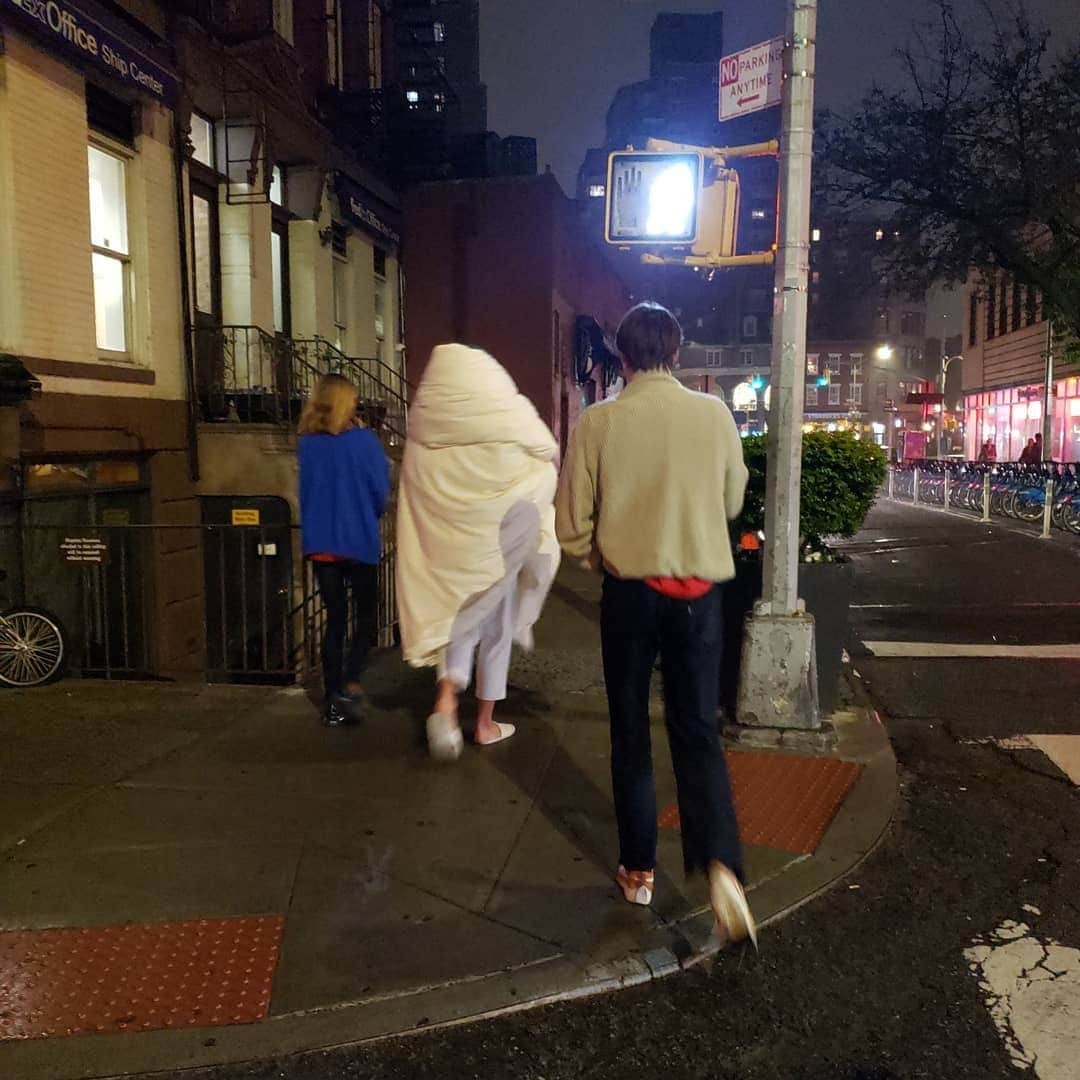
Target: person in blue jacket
[344, 488]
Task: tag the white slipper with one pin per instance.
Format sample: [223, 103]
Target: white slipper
[505, 731]
[728, 901]
[444, 739]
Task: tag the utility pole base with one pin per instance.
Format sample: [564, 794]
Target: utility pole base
[778, 687]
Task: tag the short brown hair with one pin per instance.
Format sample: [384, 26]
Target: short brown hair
[648, 337]
[331, 408]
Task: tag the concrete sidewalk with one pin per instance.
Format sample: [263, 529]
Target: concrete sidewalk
[392, 894]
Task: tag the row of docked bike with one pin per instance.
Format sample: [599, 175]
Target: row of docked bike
[1015, 491]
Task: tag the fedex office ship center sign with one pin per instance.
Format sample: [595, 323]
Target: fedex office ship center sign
[76, 35]
[751, 79]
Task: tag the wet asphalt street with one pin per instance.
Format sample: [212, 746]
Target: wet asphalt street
[872, 981]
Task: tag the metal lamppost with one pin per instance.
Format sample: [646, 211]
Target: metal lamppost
[945, 362]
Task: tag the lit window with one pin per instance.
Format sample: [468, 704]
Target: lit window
[758, 214]
[439, 100]
[277, 275]
[438, 31]
[597, 191]
[879, 235]
[202, 138]
[744, 398]
[811, 363]
[815, 236]
[109, 240]
[277, 186]
[413, 98]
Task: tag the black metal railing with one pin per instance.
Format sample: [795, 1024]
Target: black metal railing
[246, 609]
[247, 375]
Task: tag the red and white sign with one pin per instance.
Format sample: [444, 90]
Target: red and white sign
[751, 79]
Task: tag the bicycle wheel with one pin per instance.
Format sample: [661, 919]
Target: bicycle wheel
[31, 648]
[1029, 506]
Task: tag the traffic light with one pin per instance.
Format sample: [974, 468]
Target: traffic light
[758, 383]
[824, 378]
[671, 200]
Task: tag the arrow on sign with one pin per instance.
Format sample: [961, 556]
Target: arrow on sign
[747, 100]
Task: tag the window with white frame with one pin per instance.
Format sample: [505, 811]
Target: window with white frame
[834, 360]
[811, 363]
[341, 286]
[749, 326]
[202, 138]
[438, 31]
[375, 45]
[277, 186]
[856, 393]
[811, 393]
[714, 358]
[834, 394]
[747, 357]
[111, 255]
[856, 366]
[283, 19]
[333, 45]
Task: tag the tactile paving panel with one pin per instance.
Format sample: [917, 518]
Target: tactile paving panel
[783, 801]
[137, 977]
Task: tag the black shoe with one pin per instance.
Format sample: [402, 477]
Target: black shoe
[350, 703]
[334, 716]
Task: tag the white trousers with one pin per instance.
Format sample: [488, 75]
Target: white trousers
[490, 642]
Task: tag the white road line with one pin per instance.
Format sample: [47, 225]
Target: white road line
[923, 650]
[967, 607]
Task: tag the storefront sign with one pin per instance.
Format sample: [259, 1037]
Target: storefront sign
[76, 36]
[246, 517]
[84, 549]
[358, 209]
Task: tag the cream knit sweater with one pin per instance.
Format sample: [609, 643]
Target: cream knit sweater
[650, 481]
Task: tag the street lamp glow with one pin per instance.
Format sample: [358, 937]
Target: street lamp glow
[884, 352]
[672, 197]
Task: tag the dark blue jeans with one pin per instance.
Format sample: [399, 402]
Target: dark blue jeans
[336, 581]
[636, 624]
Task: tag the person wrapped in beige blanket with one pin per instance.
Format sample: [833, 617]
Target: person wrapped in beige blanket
[476, 547]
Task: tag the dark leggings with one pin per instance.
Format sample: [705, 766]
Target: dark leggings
[336, 580]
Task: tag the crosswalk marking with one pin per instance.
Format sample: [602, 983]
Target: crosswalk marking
[941, 650]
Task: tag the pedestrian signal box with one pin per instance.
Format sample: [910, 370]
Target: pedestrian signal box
[670, 200]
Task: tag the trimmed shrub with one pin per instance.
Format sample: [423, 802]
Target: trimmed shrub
[841, 476]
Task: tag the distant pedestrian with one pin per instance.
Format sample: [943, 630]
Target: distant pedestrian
[650, 482]
[1027, 455]
[991, 451]
[476, 535]
[984, 454]
[1037, 449]
[344, 487]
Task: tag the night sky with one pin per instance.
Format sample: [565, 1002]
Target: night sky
[553, 66]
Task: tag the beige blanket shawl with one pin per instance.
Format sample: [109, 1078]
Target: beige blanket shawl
[475, 506]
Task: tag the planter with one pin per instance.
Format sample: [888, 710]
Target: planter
[826, 588]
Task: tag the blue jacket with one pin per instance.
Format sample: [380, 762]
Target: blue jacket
[344, 487]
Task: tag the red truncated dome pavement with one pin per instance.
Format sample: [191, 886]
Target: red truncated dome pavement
[783, 801]
[139, 977]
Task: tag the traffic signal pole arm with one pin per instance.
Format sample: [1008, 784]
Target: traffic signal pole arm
[718, 154]
[711, 262]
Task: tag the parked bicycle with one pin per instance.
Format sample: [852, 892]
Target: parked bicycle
[1015, 490]
[32, 646]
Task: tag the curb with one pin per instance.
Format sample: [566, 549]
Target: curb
[858, 828]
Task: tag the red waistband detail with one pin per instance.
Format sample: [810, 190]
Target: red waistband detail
[680, 588]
